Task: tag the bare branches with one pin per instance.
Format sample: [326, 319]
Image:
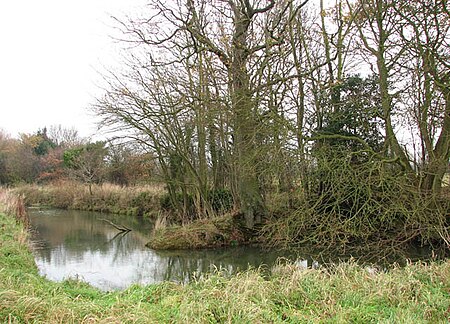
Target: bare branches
[239, 94]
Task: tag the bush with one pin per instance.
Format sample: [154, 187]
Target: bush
[359, 204]
[144, 203]
[168, 204]
[220, 200]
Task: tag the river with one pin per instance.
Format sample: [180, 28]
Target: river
[82, 245]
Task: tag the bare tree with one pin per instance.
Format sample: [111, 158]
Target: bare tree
[424, 29]
[199, 34]
[376, 23]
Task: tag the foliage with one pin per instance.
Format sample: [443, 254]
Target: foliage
[86, 163]
[35, 157]
[126, 165]
[144, 203]
[358, 114]
[42, 143]
[59, 154]
[170, 203]
[221, 200]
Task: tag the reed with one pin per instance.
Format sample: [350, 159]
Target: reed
[13, 204]
[138, 200]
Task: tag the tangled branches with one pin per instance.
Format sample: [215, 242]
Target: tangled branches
[352, 199]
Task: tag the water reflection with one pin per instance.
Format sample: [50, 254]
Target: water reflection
[78, 244]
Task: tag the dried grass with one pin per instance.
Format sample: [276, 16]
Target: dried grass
[138, 200]
[202, 233]
[417, 293]
[14, 205]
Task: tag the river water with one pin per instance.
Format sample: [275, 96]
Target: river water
[82, 245]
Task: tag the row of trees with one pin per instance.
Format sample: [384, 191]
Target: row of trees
[60, 154]
[257, 97]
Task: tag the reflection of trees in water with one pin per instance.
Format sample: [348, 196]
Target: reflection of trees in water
[122, 243]
[71, 234]
[121, 260]
[136, 223]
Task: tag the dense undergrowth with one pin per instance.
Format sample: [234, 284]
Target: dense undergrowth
[367, 203]
[417, 293]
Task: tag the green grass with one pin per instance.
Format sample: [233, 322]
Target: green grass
[417, 293]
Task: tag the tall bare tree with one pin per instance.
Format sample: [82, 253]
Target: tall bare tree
[376, 23]
[424, 29]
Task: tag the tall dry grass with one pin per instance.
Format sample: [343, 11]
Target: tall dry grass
[14, 205]
[136, 200]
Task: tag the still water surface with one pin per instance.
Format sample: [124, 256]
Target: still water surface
[78, 244]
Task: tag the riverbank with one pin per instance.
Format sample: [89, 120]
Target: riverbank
[107, 198]
[417, 293]
[208, 233]
[400, 223]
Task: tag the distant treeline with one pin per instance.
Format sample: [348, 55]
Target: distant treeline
[57, 154]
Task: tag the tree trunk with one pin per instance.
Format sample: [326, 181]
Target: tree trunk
[250, 198]
[386, 99]
[439, 158]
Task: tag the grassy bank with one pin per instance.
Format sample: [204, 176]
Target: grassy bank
[417, 293]
[108, 198]
[208, 233]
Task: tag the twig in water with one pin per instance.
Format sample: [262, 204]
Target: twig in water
[121, 228]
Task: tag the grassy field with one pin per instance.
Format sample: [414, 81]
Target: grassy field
[417, 293]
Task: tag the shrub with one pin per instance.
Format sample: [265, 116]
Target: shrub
[359, 204]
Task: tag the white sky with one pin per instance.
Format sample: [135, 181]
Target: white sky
[50, 52]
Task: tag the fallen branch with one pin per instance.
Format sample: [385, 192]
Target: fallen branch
[118, 227]
[119, 235]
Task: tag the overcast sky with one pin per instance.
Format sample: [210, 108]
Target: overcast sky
[50, 53]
